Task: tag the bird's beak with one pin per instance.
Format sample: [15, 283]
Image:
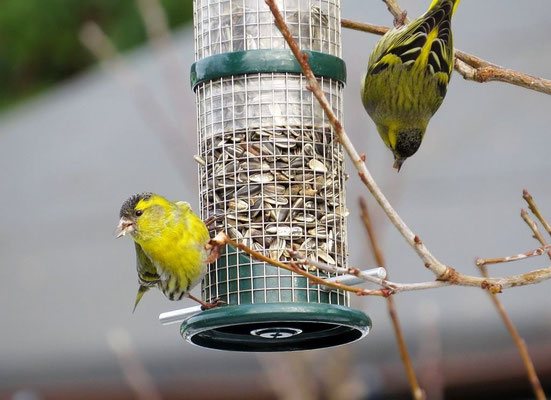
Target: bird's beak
[398, 163]
[125, 226]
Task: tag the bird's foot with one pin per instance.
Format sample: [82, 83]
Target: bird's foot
[400, 20]
[213, 304]
[207, 306]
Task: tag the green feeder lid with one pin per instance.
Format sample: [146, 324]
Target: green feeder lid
[258, 61]
[276, 327]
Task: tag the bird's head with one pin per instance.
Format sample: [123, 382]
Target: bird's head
[402, 141]
[141, 215]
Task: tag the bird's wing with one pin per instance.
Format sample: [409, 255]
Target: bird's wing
[407, 44]
[147, 273]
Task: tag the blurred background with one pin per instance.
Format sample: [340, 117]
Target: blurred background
[76, 140]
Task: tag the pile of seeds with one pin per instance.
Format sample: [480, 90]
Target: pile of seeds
[278, 188]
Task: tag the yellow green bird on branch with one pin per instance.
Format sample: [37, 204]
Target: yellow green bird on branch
[173, 246]
[407, 78]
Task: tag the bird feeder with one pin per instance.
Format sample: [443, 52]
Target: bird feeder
[271, 164]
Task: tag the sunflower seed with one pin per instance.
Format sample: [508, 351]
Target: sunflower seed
[317, 166]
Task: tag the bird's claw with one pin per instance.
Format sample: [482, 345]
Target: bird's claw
[213, 304]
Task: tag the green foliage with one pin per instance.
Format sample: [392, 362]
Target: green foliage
[39, 43]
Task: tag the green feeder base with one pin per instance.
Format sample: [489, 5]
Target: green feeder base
[276, 327]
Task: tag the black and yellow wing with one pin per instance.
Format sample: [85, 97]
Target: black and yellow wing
[426, 41]
[147, 273]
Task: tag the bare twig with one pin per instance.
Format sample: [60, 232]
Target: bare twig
[534, 227]
[393, 287]
[537, 252]
[469, 66]
[416, 391]
[535, 210]
[523, 350]
[484, 71]
[495, 285]
[364, 27]
[221, 239]
[335, 269]
[395, 10]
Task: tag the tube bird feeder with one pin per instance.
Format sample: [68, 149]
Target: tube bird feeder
[271, 164]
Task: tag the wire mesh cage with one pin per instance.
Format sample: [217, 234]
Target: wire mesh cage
[223, 26]
[270, 161]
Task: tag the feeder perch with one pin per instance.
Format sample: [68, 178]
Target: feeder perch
[271, 164]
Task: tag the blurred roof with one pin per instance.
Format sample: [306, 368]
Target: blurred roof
[69, 158]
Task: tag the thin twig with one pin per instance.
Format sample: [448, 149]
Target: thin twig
[416, 391]
[533, 227]
[335, 269]
[520, 343]
[469, 66]
[494, 285]
[393, 287]
[396, 11]
[535, 210]
[537, 252]
[364, 27]
[485, 71]
[221, 239]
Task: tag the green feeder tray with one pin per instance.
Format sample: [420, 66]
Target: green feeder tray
[276, 327]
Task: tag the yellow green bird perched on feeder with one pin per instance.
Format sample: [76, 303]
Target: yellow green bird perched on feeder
[172, 245]
[407, 78]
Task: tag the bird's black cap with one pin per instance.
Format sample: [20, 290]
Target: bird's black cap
[130, 203]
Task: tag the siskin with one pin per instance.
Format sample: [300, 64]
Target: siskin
[407, 78]
[172, 245]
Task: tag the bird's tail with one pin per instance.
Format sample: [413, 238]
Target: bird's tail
[141, 290]
[439, 3]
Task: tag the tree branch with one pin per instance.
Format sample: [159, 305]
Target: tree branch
[533, 253]
[222, 239]
[533, 227]
[535, 210]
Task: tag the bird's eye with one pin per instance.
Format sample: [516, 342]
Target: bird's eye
[138, 213]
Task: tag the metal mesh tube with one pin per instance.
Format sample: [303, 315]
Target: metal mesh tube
[270, 160]
[223, 26]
